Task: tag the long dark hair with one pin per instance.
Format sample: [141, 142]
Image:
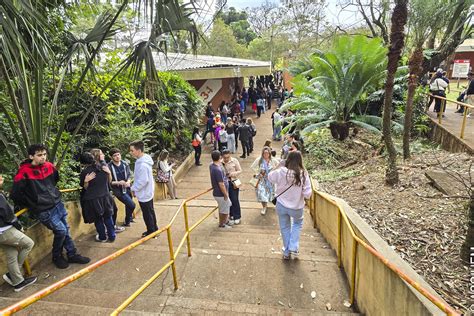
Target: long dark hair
[294, 162]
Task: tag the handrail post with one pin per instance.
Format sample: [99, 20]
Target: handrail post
[339, 237]
[354, 268]
[186, 224]
[463, 126]
[173, 266]
[27, 267]
[441, 111]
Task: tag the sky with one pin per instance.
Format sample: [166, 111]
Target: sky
[333, 11]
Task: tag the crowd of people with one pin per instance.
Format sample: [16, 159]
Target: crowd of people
[35, 188]
[35, 184]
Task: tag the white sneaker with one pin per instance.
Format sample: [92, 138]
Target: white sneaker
[225, 226]
[263, 211]
[231, 222]
[237, 222]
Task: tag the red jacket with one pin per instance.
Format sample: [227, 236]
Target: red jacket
[35, 187]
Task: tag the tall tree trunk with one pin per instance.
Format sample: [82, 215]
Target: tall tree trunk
[415, 63]
[397, 42]
[469, 242]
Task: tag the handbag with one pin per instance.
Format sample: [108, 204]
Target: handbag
[161, 176]
[236, 183]
[254, 182]
[274, 201]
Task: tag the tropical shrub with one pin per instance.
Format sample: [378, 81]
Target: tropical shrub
[327, 92]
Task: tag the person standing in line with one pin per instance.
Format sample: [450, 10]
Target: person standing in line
[293, 187]
[15, 244]
[209, 128]
[244, 136]
[235, 121]
[121, 184]
[196, 142]
[34, 187]
[166, 167]
[233, 170]
[96, 202]
[276, 125]
[144, 185]
[230, 129]
[224, 108]
[253, 133]
[438, 86]
[223, 138]
[260, 103]
[469, 94]
[253, 99]
[220, 189]
[262, 166]
[244, 102]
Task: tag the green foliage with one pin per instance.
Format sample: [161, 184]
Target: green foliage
[238, 22]
[121, 127]
[328, 90]
[222, 42]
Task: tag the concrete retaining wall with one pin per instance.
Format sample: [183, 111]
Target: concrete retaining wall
[448, 141]
[379, 291]
[43, 237]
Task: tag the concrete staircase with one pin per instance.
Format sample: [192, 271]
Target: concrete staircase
[232, 271]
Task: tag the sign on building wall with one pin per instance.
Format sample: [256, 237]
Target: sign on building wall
[209, 89]
[461, 68]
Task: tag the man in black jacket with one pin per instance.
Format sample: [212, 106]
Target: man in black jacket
[244, 136]
[34, 187]
[15, 244]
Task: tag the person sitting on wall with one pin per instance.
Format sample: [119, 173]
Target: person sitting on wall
[34, 187]
[15, 244]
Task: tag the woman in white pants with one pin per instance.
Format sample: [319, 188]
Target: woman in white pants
[230, 129]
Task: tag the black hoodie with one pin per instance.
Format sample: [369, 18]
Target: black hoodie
[7, 217]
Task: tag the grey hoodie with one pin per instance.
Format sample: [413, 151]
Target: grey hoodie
[144, 184]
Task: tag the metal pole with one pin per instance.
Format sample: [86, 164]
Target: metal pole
[188, 239]
[354, 269]
[173, 266]
[463, 126]
[339, 237]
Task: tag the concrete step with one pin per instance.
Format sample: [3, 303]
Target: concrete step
[91, 302]
[42, 308]
[259, 238]
[247, 279]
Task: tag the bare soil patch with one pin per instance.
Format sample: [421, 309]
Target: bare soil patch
[425, 227]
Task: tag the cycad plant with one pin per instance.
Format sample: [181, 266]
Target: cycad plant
[327, 93]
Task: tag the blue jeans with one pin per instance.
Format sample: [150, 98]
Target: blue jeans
[55, 220]
[276, 133]
[101, 223]
[291, 222]
[126, 199]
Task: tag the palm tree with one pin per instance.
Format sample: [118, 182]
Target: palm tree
[332, 82]
[424, 17]
[25, 53]
[397, 42]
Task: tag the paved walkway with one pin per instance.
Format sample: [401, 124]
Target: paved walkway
[238, 270]
[453, 122]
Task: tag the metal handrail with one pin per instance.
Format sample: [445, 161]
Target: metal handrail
[357, 240]
[443, 107]
[71, 278]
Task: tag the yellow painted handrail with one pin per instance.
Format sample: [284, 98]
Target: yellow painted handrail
[71, 278]
[342, 216]
[443, 106]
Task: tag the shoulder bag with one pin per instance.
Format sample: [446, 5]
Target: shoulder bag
[274, 201]
[161, 176]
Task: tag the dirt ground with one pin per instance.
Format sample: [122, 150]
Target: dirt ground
[425, 227]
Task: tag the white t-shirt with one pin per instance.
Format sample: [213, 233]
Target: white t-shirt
[438, 85]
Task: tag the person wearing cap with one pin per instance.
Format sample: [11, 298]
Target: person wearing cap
[438, 86]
